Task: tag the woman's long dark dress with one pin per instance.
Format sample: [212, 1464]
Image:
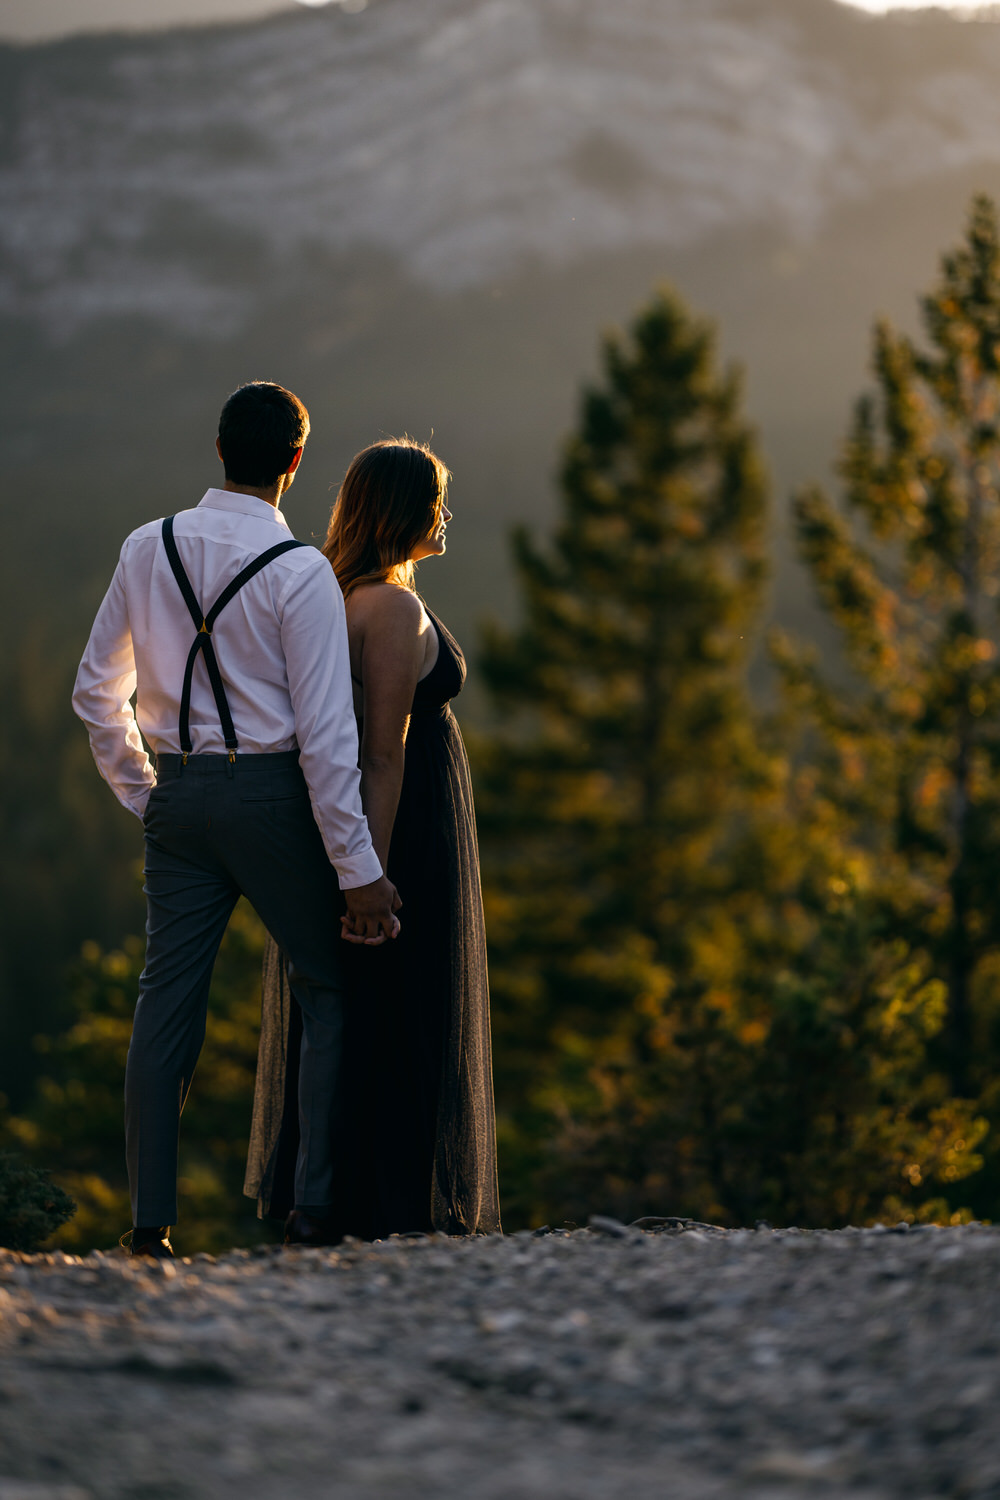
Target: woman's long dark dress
[416, 1139]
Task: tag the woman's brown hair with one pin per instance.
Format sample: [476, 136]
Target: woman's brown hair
[391, 498]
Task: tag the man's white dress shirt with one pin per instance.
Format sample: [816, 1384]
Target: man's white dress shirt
[282, 649]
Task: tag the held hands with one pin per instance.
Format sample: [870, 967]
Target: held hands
[370, 918]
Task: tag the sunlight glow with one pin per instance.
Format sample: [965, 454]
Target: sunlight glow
[968, 8]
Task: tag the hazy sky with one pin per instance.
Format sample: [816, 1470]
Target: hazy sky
[881, 6]
[34, 20]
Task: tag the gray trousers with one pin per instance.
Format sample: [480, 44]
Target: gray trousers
[215, 831]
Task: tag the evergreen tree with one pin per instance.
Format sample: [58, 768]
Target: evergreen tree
[910, 572]
[609, 802]
[698, 1007]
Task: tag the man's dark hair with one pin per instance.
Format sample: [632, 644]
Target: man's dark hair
[260, 428]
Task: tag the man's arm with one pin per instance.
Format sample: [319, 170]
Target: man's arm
[314, 640]
[102, 697]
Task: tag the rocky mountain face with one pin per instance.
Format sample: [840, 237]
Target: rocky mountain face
[462, 139]
[423, 212]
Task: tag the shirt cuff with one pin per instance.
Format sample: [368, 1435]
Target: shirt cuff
[138, 804]
[133, 801]
[360, 869]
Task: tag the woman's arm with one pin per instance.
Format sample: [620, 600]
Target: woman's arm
[394, 640]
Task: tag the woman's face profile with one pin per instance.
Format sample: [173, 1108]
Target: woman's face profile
[434, 543]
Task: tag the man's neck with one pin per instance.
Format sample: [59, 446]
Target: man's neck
[271, 496]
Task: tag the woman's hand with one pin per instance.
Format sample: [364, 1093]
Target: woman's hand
[371, 913]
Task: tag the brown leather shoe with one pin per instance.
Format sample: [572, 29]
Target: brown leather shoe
[300, 1229]
[153, 1243]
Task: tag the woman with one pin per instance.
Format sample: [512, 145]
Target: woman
[416, 1139]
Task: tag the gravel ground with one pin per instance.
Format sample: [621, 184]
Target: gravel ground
[682, 1362]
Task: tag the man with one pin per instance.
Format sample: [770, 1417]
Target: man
[232, 636]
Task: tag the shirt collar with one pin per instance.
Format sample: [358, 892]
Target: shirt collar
[242, 505]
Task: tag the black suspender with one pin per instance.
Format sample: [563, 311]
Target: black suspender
[203, 640]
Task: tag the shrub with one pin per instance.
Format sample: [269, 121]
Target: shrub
[31, 1206]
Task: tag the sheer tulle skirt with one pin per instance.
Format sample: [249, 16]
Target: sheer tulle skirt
[416, 1146]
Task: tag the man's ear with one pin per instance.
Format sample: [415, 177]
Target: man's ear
[295, 461]
[218, 449]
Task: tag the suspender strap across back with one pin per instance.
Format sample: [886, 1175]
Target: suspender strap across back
[202, 642]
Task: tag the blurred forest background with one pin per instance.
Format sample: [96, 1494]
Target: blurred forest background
[736, 757]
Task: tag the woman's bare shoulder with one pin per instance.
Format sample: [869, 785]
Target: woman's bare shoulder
[385, 607]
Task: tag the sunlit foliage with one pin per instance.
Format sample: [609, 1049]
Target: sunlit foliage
[700, 1008]
[909, 569]
[75, 1124]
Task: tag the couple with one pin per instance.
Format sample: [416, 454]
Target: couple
[255, 661]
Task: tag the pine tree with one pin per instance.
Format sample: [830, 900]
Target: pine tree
[610, 799]
[699, 1007]
[910, 571]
